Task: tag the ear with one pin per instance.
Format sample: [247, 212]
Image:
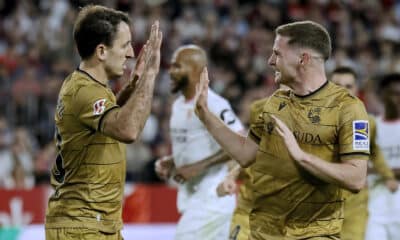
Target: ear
[304, 58]
[101, 52]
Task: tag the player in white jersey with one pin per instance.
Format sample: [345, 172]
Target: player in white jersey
[197, 161]
[384, 206]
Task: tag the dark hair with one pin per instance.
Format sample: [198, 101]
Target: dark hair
[388, 79]
[307, 34]
[344, 70]
[94, 25]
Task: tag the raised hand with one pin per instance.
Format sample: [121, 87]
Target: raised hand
[139, 66]
[152, 55]
[201, 96]
[290, 141]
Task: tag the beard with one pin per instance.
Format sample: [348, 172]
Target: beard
[180, 84]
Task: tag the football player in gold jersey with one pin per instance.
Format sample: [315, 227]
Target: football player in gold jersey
[240, 227]
[92, 126]
[305, 145]
[356, 205]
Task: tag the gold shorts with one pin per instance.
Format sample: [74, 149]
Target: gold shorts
[80, 234]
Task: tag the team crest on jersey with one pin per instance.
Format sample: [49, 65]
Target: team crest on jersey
[99, 106]
[314, 115]
[360, 135]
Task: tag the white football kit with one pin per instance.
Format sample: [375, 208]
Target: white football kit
[384, 206]
[204, 214]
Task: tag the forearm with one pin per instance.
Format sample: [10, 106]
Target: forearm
[127, 122]
[235, 171]
[240, 148]
[350, 175]
[219, 157]
[126, 92]
[379, 164]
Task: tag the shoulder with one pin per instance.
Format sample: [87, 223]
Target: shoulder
[216, 102]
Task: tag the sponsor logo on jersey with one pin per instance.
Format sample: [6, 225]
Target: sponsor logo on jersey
[360, 135]
[306, 137]
[99, 106]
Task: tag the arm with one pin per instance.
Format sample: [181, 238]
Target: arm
[378, 160]
[350, 174]
[126, 123]
[192, 170]
[240, 148]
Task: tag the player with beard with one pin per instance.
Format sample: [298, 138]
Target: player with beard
[197, 162]
[305, 145]
[93, 125]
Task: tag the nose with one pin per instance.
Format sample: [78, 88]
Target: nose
[130, 53]
[271, 60]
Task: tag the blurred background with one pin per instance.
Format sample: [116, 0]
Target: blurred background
[37, 52]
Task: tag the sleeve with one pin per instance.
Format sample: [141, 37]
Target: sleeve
[224, 111]
[378, 161]
[354, 131]
[257, 124]
[93, 102]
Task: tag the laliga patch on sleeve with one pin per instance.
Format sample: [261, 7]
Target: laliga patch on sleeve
[99, 106]
[360, 135]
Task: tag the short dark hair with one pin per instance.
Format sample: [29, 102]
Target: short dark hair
[344, 70]
[307, 34]
[387, 79]
[94, 25]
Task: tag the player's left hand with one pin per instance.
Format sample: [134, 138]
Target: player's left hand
[290, 141]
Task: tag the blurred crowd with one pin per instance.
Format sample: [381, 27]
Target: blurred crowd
[37, 53]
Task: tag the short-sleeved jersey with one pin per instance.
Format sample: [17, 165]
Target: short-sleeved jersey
[191, 143]
[89, 173]
[289, 202]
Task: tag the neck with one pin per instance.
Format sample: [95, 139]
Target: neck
[308, 82]
[190, 91]
[95, 70]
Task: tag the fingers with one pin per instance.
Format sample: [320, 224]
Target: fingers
[280, 127]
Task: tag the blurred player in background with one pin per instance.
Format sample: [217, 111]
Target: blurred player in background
[305, 145]
[197, 162]
[384, 205]
[356, 205]
[92, 125]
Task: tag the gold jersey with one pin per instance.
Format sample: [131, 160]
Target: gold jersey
[289, 202]
[89, 173]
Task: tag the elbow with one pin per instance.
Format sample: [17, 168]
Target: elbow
[128, 136]
[357, 185]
